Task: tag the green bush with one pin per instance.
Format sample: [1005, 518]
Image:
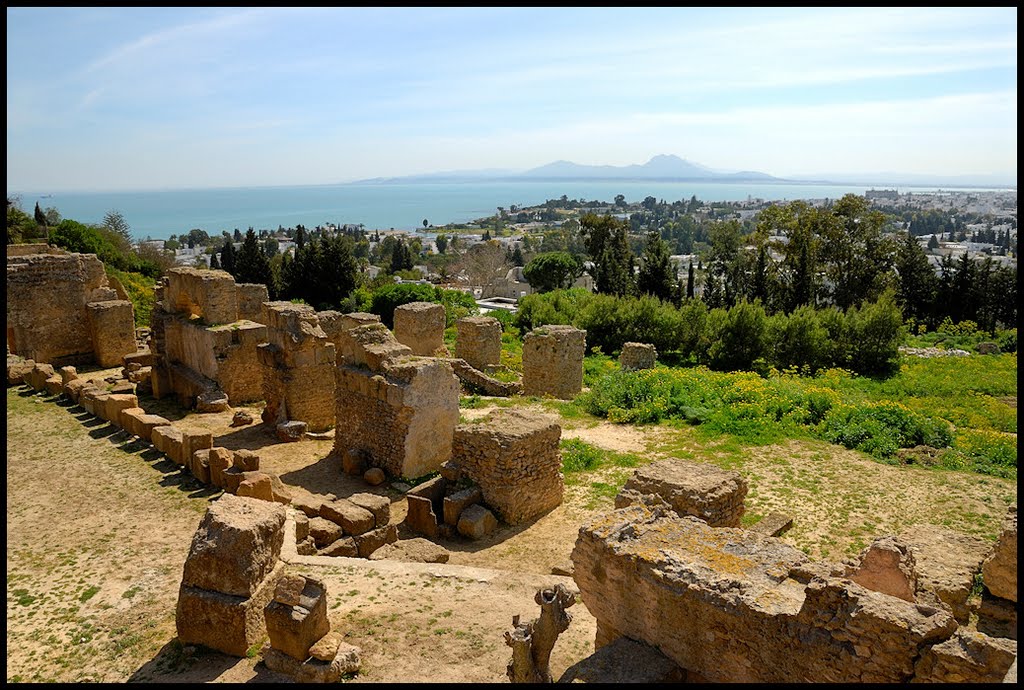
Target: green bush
[876, 329]
[555, 307]
[880, 429]
[799, 341]
[385, 299]
[740, 338]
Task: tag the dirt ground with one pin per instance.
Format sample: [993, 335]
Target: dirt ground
[99, 525]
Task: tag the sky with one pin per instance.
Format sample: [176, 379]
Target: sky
[103, 99]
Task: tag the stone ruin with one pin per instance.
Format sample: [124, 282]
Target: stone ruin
[637, 356]
[513, 457]
[302, 644]
[398, 411]
[63, 310]
[203, 352]
[298, 367]
[508, 463]
[355, 526]
[231, 574]
[704, 491]
[336, 326]
[420, 326]
[479, 342]
[553, 361]
[736, 605]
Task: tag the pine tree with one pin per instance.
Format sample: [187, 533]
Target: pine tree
[214, 264]
[656, 276]
[689, 282]
[227, 258]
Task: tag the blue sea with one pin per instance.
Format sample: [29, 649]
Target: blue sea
[160, 214]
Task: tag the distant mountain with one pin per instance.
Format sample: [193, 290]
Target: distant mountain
[910, 179]
[662, 167]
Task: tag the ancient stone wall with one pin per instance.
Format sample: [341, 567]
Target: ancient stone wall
[48, 313]
[420, 325]
[513, 457]
[637, 356]
[731, 605]
[112, 324]
[689, 488]
[298, 367]
[400, 410]
[479, 341]
[337, 325]
[199, 345]
[250, 297]
[553, 361]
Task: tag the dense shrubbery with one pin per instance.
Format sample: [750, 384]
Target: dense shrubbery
[864, 339]
[107, 245]
[383, 301]
[140, 291]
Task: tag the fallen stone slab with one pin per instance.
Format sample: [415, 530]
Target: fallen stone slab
[416, 550]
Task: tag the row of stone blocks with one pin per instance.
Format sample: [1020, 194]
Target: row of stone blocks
[355, 526]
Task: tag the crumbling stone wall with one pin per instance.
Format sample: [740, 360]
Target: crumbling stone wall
[999, 571]
[229, 577]
[420, 325]
[250, 297]
[731, 605]
[689, 488]
[298, 367]
[479, 341]
[62, 310]
[513, 457]
[637, 356]
[398, 409]
[553, 361]
[337, 325]
[198, 343]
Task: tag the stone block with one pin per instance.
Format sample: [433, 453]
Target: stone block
[553, 361]
[324, 531]
[701, 490]
[372, 540]
[458, 502]
[380, 506]
[309, 504]
[294, 628]
[220, 462]
[946, 562]
[236, 546]
[886, 565]
[345, 546]
[354, 462]
[167, 440]
[476, 522]
[637, 356]
[201, 465]
[291, 431]
[245, 460]
[415, 550]
[54, 385]
[420, 326]
[479, 341]
[114, 403]
[353, 519]
[256, 485]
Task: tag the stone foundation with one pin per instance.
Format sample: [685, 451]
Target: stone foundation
[553, 361]
[729, 605]
[703, 491]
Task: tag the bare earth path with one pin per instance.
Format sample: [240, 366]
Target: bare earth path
[98, 527]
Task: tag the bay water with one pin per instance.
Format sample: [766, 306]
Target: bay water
[400, 206]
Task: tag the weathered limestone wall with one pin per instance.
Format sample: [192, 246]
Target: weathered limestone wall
[209, 294]
[513, 456]
[48, 316]
[191, 357]
[400, 410]
[689, 488]
[637, 356]
[232, 569]
[298, 367]
[420, 325]
[999, 571]
[112, 324]
[337, 325]
[730, 605]
[479, 341]
[553, 361]
[250, 297]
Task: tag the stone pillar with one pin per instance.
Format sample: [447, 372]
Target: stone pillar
[513, 457]
[420, 325]
[479, 341]
[553, 361]
[230, 574]
[704, 491]
[637, 356]
[112, 325]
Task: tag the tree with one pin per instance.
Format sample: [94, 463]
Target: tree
[214, 264]
[252, 264]
[857, 257]
[689, 282]
[115, 222]
[933, 243]
[552, 271]
[40, 216]
[620, 200]
[401, 257]
[441, 241]
[425, 223]
[227, 257]
[917, 283]
[483, 263]
[608, 246]
[656, 276]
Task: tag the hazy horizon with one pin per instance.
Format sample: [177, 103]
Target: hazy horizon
[199, 98]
